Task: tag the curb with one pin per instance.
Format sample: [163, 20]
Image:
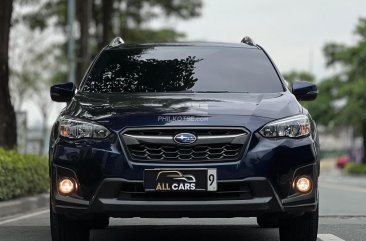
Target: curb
[22, 205]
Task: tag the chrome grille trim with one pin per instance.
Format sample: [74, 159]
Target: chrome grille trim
[212, 144]
[201, 140]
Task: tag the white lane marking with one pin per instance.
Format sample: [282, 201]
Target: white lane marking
[23, 217]
[342, 187]
[329, 237]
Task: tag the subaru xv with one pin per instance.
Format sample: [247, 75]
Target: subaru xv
[170, 130]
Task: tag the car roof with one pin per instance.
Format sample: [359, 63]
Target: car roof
[183, 44]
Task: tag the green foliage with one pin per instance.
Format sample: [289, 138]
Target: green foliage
[347, 88]
[298, 75]
[152, 36]
[182, 8]
[134, 14]
[332, 154]
[353, 168]
[126, 18]
[351, 81]
[22, 175]
[44, 10]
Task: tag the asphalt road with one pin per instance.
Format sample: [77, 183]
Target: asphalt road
[343, 217]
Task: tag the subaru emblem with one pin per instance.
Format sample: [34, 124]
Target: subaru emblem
[185, 138]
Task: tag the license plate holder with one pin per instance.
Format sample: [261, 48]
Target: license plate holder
[180, 180]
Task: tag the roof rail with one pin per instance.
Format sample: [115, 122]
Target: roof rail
[248, 40]
[116, 41]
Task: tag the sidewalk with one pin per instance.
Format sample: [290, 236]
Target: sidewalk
[327, 164]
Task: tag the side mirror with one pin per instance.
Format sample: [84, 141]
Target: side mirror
[63, 92]
[304, 90]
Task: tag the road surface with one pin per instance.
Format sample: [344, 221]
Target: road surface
[342, 209]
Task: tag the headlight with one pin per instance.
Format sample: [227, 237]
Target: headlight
[293, 127]
[77, 129]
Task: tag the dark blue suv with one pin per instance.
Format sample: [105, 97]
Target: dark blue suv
[184, 130]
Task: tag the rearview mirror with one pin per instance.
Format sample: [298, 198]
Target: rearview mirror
[304, 90]
[63, 92]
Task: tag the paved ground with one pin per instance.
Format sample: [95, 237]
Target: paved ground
[342, 195]
[343, 211]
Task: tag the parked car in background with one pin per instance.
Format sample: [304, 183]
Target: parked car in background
[342, 161]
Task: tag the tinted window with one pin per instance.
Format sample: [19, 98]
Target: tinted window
[182, 68]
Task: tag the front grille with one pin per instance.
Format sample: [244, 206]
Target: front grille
[189, 153]
[213, 144]
[225, 191]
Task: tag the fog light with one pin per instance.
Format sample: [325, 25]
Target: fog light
[303, 184]
[67, 186]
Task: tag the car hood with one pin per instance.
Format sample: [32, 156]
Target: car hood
[103, 107]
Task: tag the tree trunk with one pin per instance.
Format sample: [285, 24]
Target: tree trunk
[84, 15]
[364, 143]
[44, 130]
[107, 9]
[96, 20]
[8, 131]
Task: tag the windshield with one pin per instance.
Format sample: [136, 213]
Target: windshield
[182, 68]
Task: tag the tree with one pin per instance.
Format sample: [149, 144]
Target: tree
[22, 49]
[350, 83]
[107, 15]
[109, 18]
[22, 83]
[84, 17]
[8, 130]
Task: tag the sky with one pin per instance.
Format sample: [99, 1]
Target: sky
[293, 32]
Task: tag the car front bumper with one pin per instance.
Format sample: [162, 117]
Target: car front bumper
[262, 200]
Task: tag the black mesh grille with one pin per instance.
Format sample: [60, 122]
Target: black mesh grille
[218, 151]
[176, 152]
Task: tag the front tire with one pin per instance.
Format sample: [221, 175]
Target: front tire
[268, 222]
[97, 223]
[302, 228]
[66, 229]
